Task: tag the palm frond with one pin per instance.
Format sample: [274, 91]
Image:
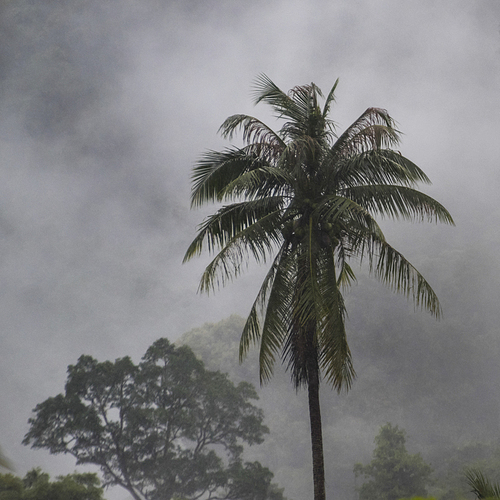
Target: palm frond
[356, 236]
[481, 486]
[258, 239]
[330, 99]
[252, 330]
[277, 315]
[334, 207]
[299, 347]
[317, 306]
[382, 166]
[267, 320]
[398, 201]
[335, 357]
[230, 221]
[297, 106]
[393, 269]
[374, 129]
[265, 90]
[259, 183]
[216, 169]
[346, 276]
[254, 130]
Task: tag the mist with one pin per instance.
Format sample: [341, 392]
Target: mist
[105, 108]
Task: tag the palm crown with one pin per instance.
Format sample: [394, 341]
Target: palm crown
[306, 198]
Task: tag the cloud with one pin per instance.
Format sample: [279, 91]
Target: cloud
[105, 110]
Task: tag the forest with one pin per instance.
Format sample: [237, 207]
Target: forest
[435, 410]
[428, 443]
[105, 112]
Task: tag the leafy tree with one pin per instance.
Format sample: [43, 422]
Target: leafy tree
[308, 198]
[393, 472]
[36, 485]
[11, 487]
[162, 429]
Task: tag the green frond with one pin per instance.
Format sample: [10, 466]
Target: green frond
[394, 270]
[346, 276]
[356, 238]
[215, 170]
[481, 486]
[298, 106]
[258, 239]
[374, 129]
[265, 90]
[309, 309]
[381, 166]
[277, 315]
[252, 329]
[330, 99]
[254, 130]
[305, 98]
[230, 221]
[335, 357]
[317, 306]
[259, 183]
[338, 209]
[270, 314]
[398, 201]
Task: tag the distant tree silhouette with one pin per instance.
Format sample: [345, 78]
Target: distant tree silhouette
[393, 473]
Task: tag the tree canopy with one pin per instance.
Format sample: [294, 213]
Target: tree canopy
[393, 473]
[36, 485]
[164, 428]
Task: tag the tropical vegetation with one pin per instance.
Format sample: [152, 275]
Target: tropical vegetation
[36, 485]
[481, 485]
[393, 473]
[166, 428]
[305, 198]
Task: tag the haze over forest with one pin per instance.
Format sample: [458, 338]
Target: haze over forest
[105, 109]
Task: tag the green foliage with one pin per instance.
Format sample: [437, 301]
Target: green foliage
[305, 199]
[252, 481]
[393, 472]
[162, 429]
[425, 369]
[11, 487]
[481, 485]
[454, 465]
[307, 196]
[36, 485]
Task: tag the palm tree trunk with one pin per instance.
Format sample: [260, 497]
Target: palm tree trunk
[316, 429]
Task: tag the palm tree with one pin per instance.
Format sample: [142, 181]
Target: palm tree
[306, 198]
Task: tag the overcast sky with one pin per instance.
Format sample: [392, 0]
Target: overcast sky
[94, 209]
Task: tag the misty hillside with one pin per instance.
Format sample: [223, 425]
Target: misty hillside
[439, 385]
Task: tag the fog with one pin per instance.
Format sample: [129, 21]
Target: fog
[106, 106]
